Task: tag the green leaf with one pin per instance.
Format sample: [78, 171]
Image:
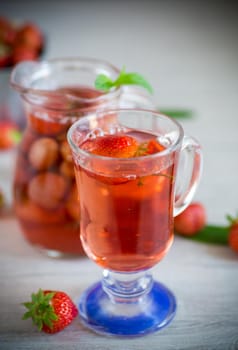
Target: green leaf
[178, 113]
[212, 234]
[28, 305]
[15, 136]
[48, 322]
[34, 297]
[103, 82]
[133, 79]
[39, 324]
[26, 315]
[40, 309]
[232, 220]
[48, 297]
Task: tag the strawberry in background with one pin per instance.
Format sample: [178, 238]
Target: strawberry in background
[19, 42]
[10, 135]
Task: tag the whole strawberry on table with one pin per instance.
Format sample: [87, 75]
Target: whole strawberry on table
[192, 223]
[51, 311]
[18, 41]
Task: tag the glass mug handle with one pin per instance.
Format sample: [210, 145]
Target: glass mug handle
[188, 173]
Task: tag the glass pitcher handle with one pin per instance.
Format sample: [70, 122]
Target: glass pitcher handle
[189, 171]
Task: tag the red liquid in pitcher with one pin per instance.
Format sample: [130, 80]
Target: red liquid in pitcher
[126, 220]
[45, 194]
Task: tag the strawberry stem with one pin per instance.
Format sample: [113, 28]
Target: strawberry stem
[15, 136]
[232, 220]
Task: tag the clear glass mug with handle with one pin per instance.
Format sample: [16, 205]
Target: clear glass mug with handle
[135, 170]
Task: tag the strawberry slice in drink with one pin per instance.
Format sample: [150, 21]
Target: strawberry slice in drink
[116, 146]
[121, 146]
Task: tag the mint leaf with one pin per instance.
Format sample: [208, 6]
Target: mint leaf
[132, 79]
[104, 83]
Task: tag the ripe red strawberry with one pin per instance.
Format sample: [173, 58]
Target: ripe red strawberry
[149, 147]
[30, 35]
[5, 55]
[19, 42]
[51, 311]
[117, 146]
[9, 135]
[191, 220]
[154, 147]
[23, 52]
[233, 233]
[7, 31]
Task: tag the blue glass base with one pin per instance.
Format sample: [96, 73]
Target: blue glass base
[127, 318]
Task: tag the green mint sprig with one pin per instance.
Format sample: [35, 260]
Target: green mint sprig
[104, 83]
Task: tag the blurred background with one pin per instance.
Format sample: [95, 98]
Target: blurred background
[188, 50]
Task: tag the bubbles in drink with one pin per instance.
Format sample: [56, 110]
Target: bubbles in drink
[95, 133]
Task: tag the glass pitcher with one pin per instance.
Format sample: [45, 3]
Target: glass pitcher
[55, 93]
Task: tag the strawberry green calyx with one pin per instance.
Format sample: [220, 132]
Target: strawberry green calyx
[232, 220]
[51, 311]
[10, 135]
[104, 83]
[40, 309]
[16, 136]
[2, 200]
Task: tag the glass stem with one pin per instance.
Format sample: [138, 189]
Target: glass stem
[127, 287]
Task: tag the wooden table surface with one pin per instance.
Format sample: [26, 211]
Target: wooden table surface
[203, 278]
[189, 53]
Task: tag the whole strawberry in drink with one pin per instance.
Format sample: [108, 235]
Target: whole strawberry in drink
[51, 311]
[118, 146]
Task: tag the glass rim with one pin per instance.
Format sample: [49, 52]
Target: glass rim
[170, 149]
[71, 62]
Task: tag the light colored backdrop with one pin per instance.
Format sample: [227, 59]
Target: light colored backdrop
[188, 50]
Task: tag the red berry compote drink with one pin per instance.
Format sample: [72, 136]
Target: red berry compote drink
[45, 195]
[127, 219]
[56, 93]
[131, 178]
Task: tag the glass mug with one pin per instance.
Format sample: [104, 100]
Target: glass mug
[55, 93]
[127, 209]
